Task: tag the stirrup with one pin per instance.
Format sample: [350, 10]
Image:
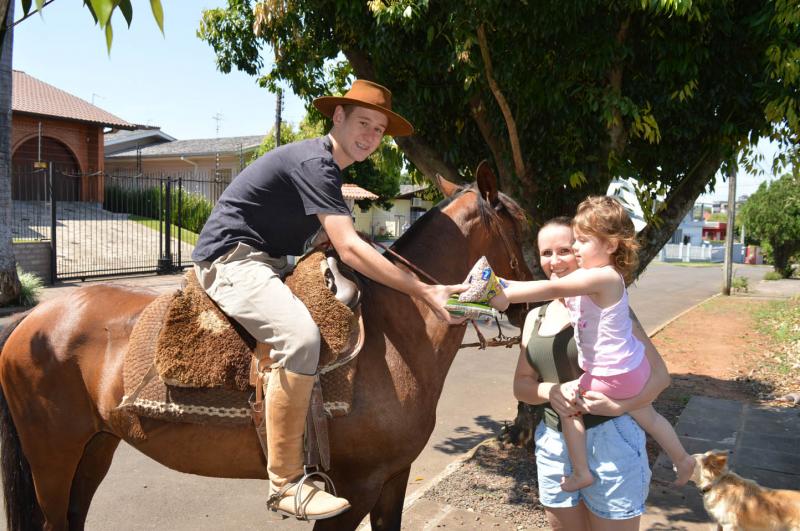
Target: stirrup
[299, 511]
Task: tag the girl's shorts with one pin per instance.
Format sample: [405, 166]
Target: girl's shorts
[617, 459]
[620, 386]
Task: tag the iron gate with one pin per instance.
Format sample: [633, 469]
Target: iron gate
[113, 224]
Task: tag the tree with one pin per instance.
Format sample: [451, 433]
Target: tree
[9, 282]
[561, 96]
[101, 11]
[772, 215]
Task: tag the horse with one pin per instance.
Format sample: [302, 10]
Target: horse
[61, 381]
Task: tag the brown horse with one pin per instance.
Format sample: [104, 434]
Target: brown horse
[61, 377]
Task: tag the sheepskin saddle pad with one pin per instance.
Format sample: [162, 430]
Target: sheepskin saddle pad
[189, 362]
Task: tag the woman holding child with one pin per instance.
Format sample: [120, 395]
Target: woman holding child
[614, 443]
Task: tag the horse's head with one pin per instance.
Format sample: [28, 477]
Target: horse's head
[494, 226]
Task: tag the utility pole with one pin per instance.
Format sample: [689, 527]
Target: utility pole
[728, 269]
[278, 108]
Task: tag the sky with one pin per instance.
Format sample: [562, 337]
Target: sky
[168, 80]
[171, 80]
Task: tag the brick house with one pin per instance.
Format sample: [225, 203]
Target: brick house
[51, 125]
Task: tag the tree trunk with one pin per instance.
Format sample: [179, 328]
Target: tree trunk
[678, 203]
[780, 259]
[426, 159]
[9, 282]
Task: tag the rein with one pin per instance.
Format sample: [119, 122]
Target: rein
[501, 340]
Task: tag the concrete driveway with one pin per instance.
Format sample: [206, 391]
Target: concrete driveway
[92, 241]
[138, 493]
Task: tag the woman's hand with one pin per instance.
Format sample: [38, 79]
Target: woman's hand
[599, 404]
[562, 400]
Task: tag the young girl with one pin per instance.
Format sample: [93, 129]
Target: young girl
[612, 358]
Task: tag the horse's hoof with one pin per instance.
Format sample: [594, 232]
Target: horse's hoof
[277, 516]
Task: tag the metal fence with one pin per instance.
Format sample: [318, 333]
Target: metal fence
[113, 224]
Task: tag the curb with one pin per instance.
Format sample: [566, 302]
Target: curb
[448, 470]
[411, 499]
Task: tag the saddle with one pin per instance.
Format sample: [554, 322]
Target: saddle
[189, 362]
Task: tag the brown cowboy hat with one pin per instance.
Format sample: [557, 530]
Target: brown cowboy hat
[372, 96]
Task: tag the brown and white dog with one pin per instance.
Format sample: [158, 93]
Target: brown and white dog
[738, 503]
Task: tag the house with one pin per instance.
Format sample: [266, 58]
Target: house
[119, 140]
[407, 207]
[353, 193]
[49, 125]
[715, 230]
[690, 229]
[152, 151]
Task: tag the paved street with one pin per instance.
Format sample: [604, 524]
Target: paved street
[141, 494]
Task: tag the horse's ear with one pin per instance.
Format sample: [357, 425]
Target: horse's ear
[446, 187]
[487, 182]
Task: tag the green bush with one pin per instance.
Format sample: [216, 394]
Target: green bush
[739, 284]
[146, 202]
[772, 275]
[31, 288]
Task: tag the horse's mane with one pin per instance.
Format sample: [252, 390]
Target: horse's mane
[489, 214]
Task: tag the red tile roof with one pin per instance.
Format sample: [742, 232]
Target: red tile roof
[351, 191]
[31, 95]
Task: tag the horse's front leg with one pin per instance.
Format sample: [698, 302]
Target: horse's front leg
[362, 492]
[387, 514]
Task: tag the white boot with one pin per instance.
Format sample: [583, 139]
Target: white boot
[287, 399]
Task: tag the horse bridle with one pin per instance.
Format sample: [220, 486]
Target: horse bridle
[501, 339]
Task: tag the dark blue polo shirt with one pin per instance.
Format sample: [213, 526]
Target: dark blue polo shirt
[273, 204]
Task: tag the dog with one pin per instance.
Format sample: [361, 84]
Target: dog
[737, 503]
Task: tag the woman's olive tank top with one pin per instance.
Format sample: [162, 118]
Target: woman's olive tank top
[555, 359]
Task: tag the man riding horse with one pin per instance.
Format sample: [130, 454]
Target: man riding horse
[271, 210]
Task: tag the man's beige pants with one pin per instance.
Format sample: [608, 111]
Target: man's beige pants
[246, 285]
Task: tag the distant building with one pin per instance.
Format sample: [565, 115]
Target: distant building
[121, 140]
[715, 230]
[407, 207]
[152, 151]
[690, 229]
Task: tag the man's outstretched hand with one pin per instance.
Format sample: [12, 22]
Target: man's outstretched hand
[436, 295]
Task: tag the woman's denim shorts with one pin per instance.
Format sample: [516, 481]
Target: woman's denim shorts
[617, 459]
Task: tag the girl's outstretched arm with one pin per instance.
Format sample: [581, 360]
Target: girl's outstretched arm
[581, 282]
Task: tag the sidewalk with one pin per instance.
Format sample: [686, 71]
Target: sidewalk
[763, 446]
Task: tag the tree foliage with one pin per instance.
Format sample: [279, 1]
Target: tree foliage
[101, 11]
[562, 96]
[772, 215]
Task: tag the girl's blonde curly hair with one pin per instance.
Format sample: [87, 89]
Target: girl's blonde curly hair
[604, 217]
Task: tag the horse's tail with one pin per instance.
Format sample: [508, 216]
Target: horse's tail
[18, 491]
